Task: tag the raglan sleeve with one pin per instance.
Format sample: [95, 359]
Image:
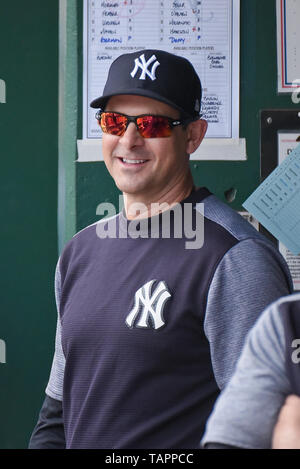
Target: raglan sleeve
[49, 430]
[250, 276]
[54, 387]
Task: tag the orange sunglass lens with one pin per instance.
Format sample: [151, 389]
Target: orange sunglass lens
[152, 126]
[113, 123]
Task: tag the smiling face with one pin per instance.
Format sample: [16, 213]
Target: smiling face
[145, 168]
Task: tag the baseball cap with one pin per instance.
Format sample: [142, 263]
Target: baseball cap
[154, 74]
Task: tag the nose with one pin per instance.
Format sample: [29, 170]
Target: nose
[131, 137]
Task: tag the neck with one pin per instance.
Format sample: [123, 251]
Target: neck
[139, 206]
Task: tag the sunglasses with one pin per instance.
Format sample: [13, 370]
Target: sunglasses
[148, 126]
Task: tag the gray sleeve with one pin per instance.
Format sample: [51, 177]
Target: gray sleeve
[54, 388]
[250, 276]
[246, 411]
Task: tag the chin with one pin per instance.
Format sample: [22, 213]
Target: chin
[132, 187]
[130, 190]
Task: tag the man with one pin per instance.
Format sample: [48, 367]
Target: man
[260, 406]
[150, 328]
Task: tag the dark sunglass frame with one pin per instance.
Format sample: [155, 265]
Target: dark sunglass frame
[171, 122]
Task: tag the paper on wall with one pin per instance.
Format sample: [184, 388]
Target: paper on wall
[204, 31]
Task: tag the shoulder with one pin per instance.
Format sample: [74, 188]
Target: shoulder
[268, 331]
[88, 233]
[92, 228]
[287, 303]
[230, 220]
[83, 244]
[277, 313]
[248, 243]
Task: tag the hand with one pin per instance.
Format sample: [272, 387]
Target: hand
[286, 434]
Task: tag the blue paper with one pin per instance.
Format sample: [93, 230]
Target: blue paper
[276, 202]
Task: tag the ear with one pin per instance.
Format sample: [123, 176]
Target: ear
[195, 134]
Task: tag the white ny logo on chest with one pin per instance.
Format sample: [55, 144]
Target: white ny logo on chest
[149, 307]
[143, 65]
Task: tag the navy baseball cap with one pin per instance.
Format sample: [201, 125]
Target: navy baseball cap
[154, 74]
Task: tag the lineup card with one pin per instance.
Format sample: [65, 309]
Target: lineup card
[286, 143]
[275, 203]
[206, 32]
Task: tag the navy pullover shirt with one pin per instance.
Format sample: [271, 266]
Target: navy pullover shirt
[149, 331]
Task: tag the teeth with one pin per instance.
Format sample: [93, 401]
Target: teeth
[132, 161]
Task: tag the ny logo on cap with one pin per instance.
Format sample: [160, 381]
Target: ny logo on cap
[149, 306]
[143, 65]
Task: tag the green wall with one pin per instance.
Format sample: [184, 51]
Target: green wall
[36, 140]
[28, 200]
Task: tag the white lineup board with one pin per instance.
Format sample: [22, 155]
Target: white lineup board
[206, 32]
[288, 49]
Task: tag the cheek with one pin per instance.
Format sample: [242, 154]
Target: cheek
[171, 153]
[108, 145]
